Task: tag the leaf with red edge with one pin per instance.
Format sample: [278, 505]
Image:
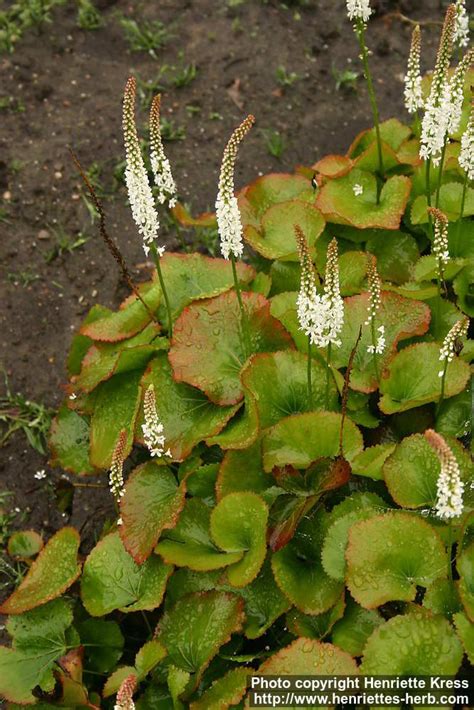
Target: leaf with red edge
[151, 503]
[24, 544]
[401, 317]
[184, 217]
[53, 571]
[242, 471]
[130, 319]
[333, 166]
[187, 415]
[393, 132]
[369, 159]
[227, 690]
[69, 441]
[339, 204]
[206, 350]
[262, 193]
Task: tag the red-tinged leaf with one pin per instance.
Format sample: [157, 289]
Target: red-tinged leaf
[69, 441]
[333, 166]
[392, 132]
[151, 504]
[25, 544]
[53, 571]
[206, 349]
[291, 510]
[205, 219]
[271, 189]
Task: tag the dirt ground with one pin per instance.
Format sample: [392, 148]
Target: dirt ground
[68, 84]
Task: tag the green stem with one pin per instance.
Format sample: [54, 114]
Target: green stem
[450, 550]
[374, 343]
[461, 215]
[328, 375]
[443, 382]
[243, 315]
[156, 259]
[360, 31]
[440, 174]
[310, 384]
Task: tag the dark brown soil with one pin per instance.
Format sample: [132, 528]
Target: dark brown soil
[70, 83]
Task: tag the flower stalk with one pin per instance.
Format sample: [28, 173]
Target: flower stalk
[448, 350]
[116, 467]
[152, 428]
[375, 300]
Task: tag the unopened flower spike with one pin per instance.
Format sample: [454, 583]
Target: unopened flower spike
[461, 27]
[448, 349]
[413, 93]
[116, 467]
[227, 209]
[358, 10]
[136, 177]
[375, 286]
[152, 428]
[160, 164]
[124, 699]
[456, 92]
[440, 242]
[435, 119]
[466, 156]
[450, 488]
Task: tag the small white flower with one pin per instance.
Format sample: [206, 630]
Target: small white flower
[358, 10]
[440, 247]
[447, 352]
[136, 177]
[466, 156]
[227, 209]
[116, 467]
[379, 346]
[160, 164]
[124, 699]
[461, 27]
[73, 396]
[375, 285]
[450, 488]
[152, 428]
[413, 93]
[39, 475]
[357, 189]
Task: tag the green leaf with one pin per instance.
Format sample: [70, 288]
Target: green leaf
[69, 441]
[450, 196]
[353, 630]
[339, 204]
[465, 629]
[256, 198]
[401, 317]
[201, 482]
[298, 570]
[103, 644]
[392, 132]
[112, 580]
[187, 415]
[189, 544]
[24, 544]
[39, 639]
[225, 691]
[315, 627]
[413, 644]
[352, 272]
[412, 471]
[239, 524]
[442, 598]
[116, 409]
[292, 440]
[53, 571]
[177, 682]
[151, 503]
[274, 237]
[243, 471]
[411, 378]
[308, 657]
[333, 165]
[454, 417]
[426, 268]
[464, 289]
[148, 656]
[206, 351]
[80, 344]
[396, 253]
[465, 567]
[211, 618]
[369, 462]
[404, 552]
[264, 602]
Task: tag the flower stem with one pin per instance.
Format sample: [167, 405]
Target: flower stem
[156, 259]
[461, 214]
[328, 374]
[440, 174]
[374, 343]
[450, 550]
[443, 382]
[243, 315]
[360, 31]
[310, 384]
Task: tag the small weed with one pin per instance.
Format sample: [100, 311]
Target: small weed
[147, 88]
[208, 237]
[21, 16]
[10, 103]
[345, 79]
[143, 38]
[65, 244]
[11, 574]
[285, 78]
[184, 76]
[170, 132]
[215, 116]
[23, 278]
[4, 215]
[16, 166]
[192, 110]
[274, 142]
[18, 413]
[88, 16]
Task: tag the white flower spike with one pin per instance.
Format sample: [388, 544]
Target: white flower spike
[125, 694]
[456, 92]
[466, 156]
[227, 208]
[375, 286]
[357, 190]
[116, 467]
[450, 488]
[358, 10]
[136, 177]
[440, 242]
[461, 27]
[448, 349]
[413, 93]
[160, 164]
[152, 428]
[379, 346]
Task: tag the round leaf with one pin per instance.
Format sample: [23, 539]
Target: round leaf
[355, 627]
[25, 543]
[69, 440]
[315, 627]
[243, 471]
[465, 567]
[225, 691]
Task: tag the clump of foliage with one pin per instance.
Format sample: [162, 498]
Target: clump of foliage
[287, 440]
